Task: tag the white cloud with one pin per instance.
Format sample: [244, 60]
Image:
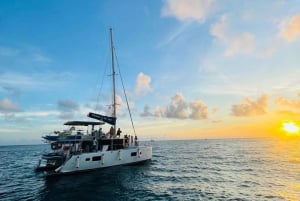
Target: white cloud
[219, 29]
[290, 28]
[143, 83]
[179, 108]
[295, 104]
[42, 81]
[199, 110]
[7, 106]
[243, 44]
[235, 43]
[251, 107]
[188, 9]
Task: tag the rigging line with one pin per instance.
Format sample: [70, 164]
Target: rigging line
[100, 90]
[125, 93]
[102, 80]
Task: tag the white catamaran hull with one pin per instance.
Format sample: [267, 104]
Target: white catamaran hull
[103, 159]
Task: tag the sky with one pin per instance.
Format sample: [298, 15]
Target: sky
[192, 69]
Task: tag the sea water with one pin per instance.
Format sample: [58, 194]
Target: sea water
[235, 169]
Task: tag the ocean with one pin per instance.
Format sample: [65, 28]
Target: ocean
[230, 169]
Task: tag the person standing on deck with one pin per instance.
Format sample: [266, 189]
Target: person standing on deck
[119, 132]
[111, 132]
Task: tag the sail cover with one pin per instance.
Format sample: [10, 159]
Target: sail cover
[106, 119]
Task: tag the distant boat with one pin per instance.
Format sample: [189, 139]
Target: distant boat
[74, 151]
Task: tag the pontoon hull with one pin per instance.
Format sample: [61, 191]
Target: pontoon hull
[103, 159]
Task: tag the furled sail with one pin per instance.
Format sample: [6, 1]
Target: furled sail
[106, 119]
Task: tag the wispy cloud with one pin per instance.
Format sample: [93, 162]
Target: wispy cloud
[7, 106]
[17, 81]
[290, 28]
[188, 10]
[67, 108]
[243, 44]
[289, 103]
[174, 35]
[13, 91]
[220, 29]
[8, 51]
[235, 43]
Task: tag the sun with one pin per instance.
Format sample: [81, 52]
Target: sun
[291, 128]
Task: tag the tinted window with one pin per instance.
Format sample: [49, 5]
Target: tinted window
[96, 158]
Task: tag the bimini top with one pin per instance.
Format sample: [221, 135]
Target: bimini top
[82, 123]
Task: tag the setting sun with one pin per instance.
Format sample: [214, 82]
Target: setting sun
[291, 128]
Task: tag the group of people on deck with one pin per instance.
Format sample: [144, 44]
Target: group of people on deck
[112, 133]
[128, 138]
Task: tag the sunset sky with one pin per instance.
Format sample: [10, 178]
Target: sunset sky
[192, 68]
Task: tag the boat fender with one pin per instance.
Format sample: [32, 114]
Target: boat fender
[120, 158]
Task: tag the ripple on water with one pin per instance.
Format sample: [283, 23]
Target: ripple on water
[179, 170]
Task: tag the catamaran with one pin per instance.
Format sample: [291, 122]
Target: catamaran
[75, 150]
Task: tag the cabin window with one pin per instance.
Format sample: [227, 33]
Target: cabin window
[87, 159]
[140, 153]
[133, 153]
[96, 158]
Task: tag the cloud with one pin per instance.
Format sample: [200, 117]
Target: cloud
[179, 108]
[7, 51]
[37, 57]
[250, 107]
[288, 113]
[67, 105]
[143, 83]
[146, 112]
[12, 90]
[67, 108]
[290, 29]
[188, 10]
[290, 103]
[243, 44]
[7, 106]
[219, 30]
[236, 43]
[215, 110]
[33, 81]
[199, 110]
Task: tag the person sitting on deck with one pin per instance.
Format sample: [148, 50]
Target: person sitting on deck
[119, 132]
[95, 144]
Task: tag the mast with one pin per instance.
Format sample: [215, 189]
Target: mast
[113, 77]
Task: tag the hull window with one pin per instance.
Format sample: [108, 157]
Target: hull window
[133, 153]
[96, 158]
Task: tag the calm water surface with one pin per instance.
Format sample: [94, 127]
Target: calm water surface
[180, 170]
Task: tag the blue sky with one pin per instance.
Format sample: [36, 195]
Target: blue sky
[192, 69]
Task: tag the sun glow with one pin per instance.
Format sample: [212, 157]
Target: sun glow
[291, 128]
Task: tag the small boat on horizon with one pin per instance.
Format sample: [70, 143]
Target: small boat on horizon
[75, 150]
